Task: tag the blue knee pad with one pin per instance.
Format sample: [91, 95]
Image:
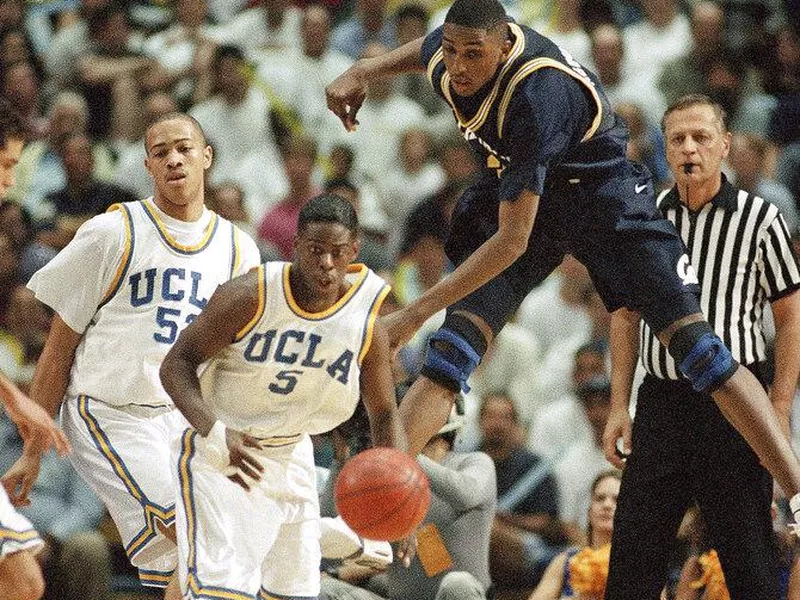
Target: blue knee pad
[450, 360]
[708, 363]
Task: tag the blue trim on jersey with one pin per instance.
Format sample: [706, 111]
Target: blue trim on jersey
[185, 479]
[170, 244]
[155, 579]
[234, 251]
[123, 273]
[153, 512]
[379, 297]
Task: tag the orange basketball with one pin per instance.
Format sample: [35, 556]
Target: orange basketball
[382, 494]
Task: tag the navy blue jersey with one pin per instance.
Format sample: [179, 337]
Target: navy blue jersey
[542, 110]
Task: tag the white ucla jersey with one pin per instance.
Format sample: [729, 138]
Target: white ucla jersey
[158, 288]
[289, 371]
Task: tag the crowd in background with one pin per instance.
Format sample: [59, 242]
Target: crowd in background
[89, 75]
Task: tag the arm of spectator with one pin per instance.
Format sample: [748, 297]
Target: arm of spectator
[624, 355]
[549, 587]
[786, 311]
[463, 490]
[94, 69]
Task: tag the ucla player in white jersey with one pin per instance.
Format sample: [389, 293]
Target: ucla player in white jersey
[291, 346]
[20, 575]
[122, 290]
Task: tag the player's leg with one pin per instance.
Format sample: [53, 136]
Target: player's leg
[20, 577]
[471, 323]
[223, 531]
[290, 569]
[735, 496]
[126, 458]
[704, 360]
[653, 497]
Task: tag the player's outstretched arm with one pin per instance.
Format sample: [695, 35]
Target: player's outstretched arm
[624, 355]
[229, 310]
[346, 93]
[35, 425]
[377, 390]
[515, 223]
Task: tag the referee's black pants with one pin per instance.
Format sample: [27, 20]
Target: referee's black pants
[683, 450]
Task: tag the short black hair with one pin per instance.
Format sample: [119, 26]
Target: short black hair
[227, 51]
[411, 11]
[328, 208]
[476, 14]
[341, 183]
[171, 116]
[11, 123]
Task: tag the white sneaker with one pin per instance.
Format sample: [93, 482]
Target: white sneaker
[375, 554]
[794, 506]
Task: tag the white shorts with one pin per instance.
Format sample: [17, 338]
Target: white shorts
[125, 455]
[16, 532]
[263, 543]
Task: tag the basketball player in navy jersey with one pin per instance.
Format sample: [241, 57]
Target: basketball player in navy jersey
[555, 180]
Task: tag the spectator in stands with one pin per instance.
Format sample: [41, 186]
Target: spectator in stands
[561, 423]
[747, 159]
[266, 25]
[279, 225]
[236, 119]
[369, 24]
[41, 170]
[581, 572]
[582, 461]
[526, 533]
[22, 337]
[75, 560]
[83, 196]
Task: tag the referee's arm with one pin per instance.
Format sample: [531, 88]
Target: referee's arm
[786, 311]
[624, 355]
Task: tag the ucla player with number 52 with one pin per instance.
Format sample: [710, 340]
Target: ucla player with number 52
[556, 180]
[122, 291]
[291, 348]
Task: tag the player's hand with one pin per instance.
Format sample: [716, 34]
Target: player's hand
[401, 325]
[36, 427]
[248, 467]
[346, 94]
[19, 479]
[407, 549]
[618, 427]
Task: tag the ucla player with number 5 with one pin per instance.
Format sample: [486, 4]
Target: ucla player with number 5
[122, 291]
[291, 347]
[556, 180]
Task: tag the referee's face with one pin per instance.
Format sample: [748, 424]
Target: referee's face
[696, 145]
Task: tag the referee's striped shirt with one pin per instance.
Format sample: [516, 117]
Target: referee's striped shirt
[740, 247]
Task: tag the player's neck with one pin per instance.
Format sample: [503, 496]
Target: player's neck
[189, 212]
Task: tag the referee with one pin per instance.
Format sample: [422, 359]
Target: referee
[683, 449]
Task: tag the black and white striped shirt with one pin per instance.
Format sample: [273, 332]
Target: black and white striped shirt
[741, 250]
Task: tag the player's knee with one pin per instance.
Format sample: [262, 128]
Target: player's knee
[459, 585]
[702, 357]
[22, 577]
[453, 353]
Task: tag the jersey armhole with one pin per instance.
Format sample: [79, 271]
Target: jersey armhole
[127, 253]
[369, 324]
[262, 293]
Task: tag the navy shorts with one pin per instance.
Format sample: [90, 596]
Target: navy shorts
[609, 222]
